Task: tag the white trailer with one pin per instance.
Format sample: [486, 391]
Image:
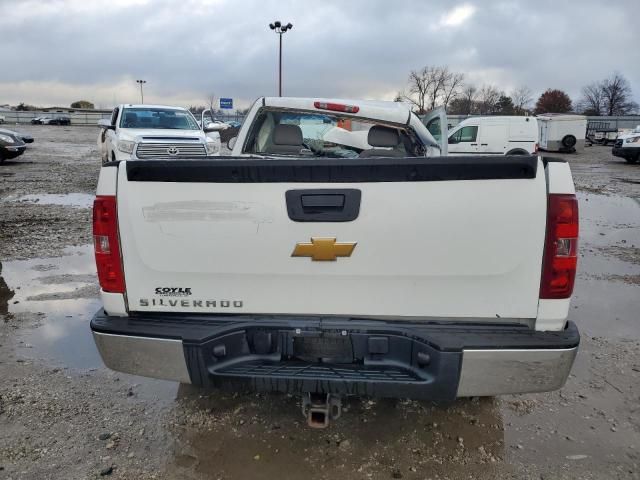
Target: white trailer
[561, 132]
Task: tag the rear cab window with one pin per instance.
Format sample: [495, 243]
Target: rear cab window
[325, 134]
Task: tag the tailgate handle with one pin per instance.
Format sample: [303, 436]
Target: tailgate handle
[313, 200]
[323, 205]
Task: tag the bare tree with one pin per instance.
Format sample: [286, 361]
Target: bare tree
[522, 98]
[421, 83]
[617, 96]
[470, 95]
[465, 103]
[452, 88]
[432, 86]
[438, 82]
[592, 101]
[488, 98]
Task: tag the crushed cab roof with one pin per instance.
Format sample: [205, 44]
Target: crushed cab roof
[393, 112]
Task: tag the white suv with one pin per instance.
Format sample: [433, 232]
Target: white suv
[627, 146]
[154, 131]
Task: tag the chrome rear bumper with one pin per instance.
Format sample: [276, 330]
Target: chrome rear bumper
[499, 372]
[213, 353]
[149, 357]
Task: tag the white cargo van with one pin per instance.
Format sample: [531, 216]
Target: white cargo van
[494, 136]
[561, 132]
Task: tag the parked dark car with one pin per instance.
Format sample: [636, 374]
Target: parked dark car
[38, 120]
[59, 120]
[11, 145]
[25, 138]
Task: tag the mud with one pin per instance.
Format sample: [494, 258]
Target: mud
[63, 415]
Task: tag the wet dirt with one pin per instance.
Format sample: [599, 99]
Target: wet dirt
[596, 170]
[254, 437]
[58, 169]
[79, 200]
[63, 415]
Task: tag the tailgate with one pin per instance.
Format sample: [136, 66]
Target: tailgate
[445, 237]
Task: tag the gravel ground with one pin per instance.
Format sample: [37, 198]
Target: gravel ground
[64, 416]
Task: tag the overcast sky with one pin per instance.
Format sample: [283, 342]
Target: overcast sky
[56, 52]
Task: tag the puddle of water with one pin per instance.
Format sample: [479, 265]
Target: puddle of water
[31, 278]
[64, 290]
[603, 304]
[77, 200]
[618, 218]
[64, 339]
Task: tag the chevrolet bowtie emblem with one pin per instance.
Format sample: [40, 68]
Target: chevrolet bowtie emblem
[323, 249]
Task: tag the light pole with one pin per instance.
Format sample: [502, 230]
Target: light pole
[280, 29]
[141, 93]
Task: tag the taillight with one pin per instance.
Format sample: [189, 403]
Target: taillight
[106, 244]
[337, 107]
[537, 148]
[561, 247]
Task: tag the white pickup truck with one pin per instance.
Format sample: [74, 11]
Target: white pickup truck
[140, 132]
[332, 255]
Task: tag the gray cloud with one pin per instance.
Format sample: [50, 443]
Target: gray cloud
[66, 50]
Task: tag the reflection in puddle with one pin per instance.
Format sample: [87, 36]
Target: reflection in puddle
[64, 339]
[78, 200]
[6, 294]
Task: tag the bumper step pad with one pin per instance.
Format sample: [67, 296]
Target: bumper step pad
[320, 372]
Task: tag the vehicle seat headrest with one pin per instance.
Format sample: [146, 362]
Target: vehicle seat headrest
[380, 136]
[286, 134]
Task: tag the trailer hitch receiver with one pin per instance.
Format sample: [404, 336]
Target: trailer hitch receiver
[320, 409]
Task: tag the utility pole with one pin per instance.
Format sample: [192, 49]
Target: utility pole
[141, 92]
[280, 29]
